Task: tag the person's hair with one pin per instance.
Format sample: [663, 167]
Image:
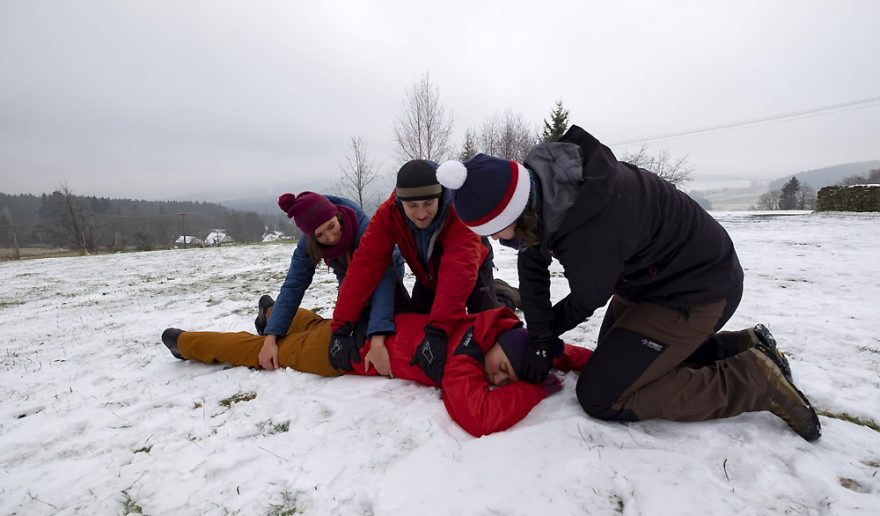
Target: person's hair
[314, 249]
[525, 228]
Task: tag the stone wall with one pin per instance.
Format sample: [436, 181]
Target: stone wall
[849, 198]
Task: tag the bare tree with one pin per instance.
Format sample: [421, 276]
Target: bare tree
[358, 171]
[676, 172]
[73, 219]
[872, 177]
[768, 201]
[7, 225]
[806, 198]
[508, 136]
[423, 128]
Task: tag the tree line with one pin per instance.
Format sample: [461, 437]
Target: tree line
[423, 129]
[88, 224]
[797, 195]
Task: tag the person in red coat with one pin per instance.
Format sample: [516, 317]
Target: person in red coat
[452, 266]
[480, 380]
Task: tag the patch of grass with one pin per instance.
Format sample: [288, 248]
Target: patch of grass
[275, 428]
[237, 397]
[852, 485]
[287, 507]
[843, 416]
[129, 506]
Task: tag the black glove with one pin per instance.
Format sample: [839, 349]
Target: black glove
[431, 353]
[538, 359]
[344, 348]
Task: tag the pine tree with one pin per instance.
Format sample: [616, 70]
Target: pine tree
[558, 124]
[469, 148]
[789, 194]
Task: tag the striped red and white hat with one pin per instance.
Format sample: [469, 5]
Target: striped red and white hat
[490, 193]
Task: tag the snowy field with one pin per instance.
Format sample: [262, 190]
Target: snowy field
[98, 418]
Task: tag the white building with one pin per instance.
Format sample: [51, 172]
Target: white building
[218, 237]
[190, 241]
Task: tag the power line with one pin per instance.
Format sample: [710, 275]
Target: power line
[793, 115]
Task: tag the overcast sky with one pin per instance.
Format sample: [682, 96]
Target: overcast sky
[168, 99]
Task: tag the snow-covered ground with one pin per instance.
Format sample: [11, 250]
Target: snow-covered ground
[98, 418]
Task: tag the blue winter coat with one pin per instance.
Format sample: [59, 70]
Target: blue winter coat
[302, 270]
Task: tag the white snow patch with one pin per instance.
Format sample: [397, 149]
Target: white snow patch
[94, 405]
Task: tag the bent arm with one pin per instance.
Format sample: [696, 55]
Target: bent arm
[592, 274]
[369, 264]
[299, 277]
[382, 303]
[479, 409]
[463, 252]
[533, 268]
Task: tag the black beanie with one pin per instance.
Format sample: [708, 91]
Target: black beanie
[417, 181]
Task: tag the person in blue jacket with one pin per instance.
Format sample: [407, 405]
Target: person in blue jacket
[331, 230]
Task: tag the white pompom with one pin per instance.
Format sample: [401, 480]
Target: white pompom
[452, 174]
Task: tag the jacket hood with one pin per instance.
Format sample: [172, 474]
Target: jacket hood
[575, 170]
[488, 325]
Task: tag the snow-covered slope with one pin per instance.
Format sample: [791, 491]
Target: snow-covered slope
[98, 418]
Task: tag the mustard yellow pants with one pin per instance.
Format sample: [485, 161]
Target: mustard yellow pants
[304, 348]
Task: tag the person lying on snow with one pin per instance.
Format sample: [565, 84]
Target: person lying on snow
[480, 378]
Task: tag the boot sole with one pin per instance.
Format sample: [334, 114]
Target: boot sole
[266, 302]
[809, 431]
[770, 348]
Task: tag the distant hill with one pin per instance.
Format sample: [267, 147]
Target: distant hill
[829, 175]
[743, 198]
[109, 223]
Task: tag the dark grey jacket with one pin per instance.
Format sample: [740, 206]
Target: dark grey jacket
[616, 229]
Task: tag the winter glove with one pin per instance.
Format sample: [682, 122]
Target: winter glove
[552, 385]
[538, 358]
[343, 348]
[431, 353]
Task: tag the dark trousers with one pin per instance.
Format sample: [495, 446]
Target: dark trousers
[481, 298]
[655, 361]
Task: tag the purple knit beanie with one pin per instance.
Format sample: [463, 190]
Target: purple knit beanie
[490, 193]
[308, 210]
[513, 343]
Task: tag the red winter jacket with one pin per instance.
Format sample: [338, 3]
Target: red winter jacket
[462, 255]
[470, 401]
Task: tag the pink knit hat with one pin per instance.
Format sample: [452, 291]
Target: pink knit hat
[308, 210]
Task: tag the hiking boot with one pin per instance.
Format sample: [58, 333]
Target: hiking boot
[786, 401]
[507, 295]
[169, 338]
[767, 344]
[263, 305]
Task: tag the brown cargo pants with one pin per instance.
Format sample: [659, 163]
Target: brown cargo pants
[655, 361]
[304, 348]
